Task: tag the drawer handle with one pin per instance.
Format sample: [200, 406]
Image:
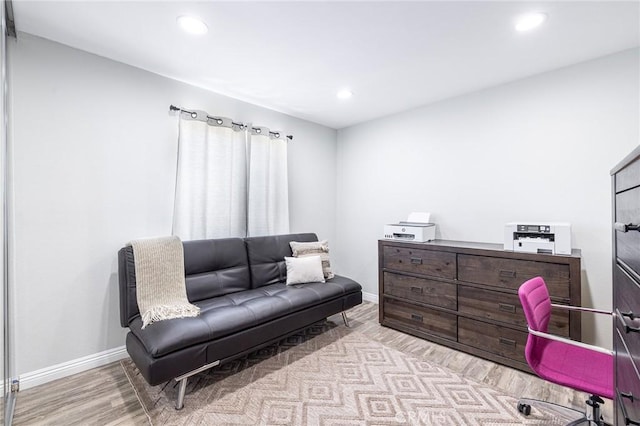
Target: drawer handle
[507, 274]
[628, 329]
[507, 342]
[416, 290]
[626, 227]
[416, 317]
[627, 395]
[505, 307]
[416, 261]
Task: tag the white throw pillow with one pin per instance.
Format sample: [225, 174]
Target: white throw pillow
[311, 248]
[302, 270]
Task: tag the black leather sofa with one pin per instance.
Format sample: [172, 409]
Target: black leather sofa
[239, 285]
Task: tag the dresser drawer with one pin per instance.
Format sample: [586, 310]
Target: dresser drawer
[630, 332]
[628, 177]
[498, 340]
[510, 273]
[627, 301]
[627, 382]
[422, 290]
[503, 307]
[427, 262]
[627, 294]
[628, 243]
[430, 321]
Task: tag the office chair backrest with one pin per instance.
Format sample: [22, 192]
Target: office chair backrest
[536, 305]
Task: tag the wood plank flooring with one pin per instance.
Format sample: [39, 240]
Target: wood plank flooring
[103, 396]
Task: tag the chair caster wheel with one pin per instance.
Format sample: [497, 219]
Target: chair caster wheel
[524, 408]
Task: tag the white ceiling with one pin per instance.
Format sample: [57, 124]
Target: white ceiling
[294, 56]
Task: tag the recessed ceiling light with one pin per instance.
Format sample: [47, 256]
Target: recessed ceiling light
[530, 21]
[192, 25]
[344, 94]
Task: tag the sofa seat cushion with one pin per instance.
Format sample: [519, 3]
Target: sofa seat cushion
[228, 314]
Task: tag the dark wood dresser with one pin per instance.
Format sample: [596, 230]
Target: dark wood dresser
[626, 288]
[465, 295]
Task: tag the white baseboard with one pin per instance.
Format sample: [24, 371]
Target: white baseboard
[370, 297]
[59, 371]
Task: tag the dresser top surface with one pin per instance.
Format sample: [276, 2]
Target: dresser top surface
[633, 155]
[471, 245]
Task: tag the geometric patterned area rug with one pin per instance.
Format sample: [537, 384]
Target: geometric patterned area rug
[330, 375]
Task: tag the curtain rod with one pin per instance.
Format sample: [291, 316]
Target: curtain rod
[194, 114]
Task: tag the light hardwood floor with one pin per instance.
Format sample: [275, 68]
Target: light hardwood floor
[103, 396]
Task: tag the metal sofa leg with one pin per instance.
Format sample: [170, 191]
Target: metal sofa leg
[345, 319]
[181, 392]
[182, 381]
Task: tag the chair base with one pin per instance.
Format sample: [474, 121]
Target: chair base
[591, 417]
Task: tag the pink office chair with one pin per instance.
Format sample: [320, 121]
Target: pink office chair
[582, 367]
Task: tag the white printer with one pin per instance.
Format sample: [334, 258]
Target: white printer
[550, 238]
[416, 228]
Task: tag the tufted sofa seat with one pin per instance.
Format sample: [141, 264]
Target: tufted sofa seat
[239, 285]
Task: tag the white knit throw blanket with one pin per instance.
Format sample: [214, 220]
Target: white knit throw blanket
[160, 286]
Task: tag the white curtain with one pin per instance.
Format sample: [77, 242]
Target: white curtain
[211, 184]
[231, 181]
[268, 207]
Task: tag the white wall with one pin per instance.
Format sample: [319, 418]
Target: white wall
[94, 157]
[538, 149]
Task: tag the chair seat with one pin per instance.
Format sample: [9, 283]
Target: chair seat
[583, 370]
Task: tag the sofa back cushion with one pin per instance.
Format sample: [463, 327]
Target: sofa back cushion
[266, 257]
[215, 268]
[212, 268]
